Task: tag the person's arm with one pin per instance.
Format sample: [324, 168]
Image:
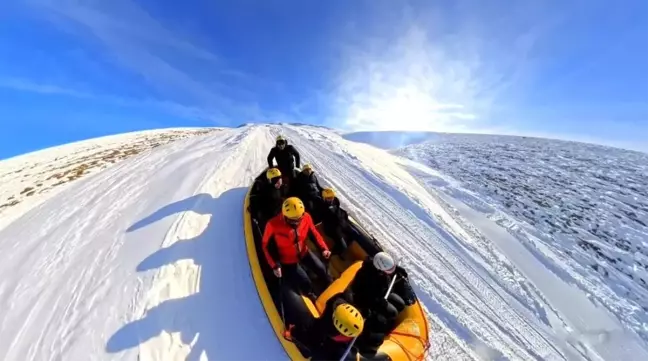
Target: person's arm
[401, 272]
[267, 235]
[271, 155]
[317, 183]
[255, 194]
[315, 233]
[296, 154]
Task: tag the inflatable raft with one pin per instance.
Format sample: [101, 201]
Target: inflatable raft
[408, 340]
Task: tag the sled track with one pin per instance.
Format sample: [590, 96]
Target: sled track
[450, 287]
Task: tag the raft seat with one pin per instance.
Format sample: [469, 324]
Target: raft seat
[339, 285]
[337, 265]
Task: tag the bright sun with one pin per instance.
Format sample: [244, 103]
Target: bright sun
[405, 108]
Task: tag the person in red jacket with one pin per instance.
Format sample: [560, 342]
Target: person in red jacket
[289, 231]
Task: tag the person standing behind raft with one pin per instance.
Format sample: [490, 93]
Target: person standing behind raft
[287, 158]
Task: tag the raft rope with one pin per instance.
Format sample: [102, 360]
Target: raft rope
[410, 355]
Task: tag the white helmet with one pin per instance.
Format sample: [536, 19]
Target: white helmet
[384, 262]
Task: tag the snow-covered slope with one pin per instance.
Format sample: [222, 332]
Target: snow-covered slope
[29, 179]
[581, 209]
[392, 139]
[146, 260]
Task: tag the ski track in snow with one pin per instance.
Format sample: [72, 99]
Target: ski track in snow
[146, 260]
[454, 292]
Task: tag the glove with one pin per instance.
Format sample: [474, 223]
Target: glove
[400, 271]
[277, 272]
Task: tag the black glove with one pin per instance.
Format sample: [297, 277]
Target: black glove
[400, 271]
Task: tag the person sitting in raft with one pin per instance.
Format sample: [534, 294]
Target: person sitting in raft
[370, 285]
[328, 336]
[335, 221]
[289, 231]
[267, 196]
[308, 189]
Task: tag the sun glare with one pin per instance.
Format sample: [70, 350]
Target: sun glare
[412, 84]
[405, 108]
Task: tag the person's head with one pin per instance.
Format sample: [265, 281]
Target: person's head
[281, 142]
[383, 262]
[328, 195]
[274, 176]
[293, 210]
[348, 320]
[307, 169]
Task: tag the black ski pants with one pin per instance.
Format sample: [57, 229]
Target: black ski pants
[297, 277]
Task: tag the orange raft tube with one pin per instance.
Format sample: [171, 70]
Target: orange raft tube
[408, 341]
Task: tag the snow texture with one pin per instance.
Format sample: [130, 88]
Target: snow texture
[146, 259]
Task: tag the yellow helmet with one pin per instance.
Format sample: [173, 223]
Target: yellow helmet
[307, 166]
[293, 208]
[280, 137]
[328, 193]
[273, 173]
[348, 320]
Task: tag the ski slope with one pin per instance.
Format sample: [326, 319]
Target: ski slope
[146, 260]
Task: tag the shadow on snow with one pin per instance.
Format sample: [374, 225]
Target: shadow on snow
[224, 317]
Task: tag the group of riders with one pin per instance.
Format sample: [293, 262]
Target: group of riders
[286, 203]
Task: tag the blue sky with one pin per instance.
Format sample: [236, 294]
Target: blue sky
[572, 69]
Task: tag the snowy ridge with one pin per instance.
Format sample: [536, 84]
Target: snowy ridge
[31, 178]
[146, 260]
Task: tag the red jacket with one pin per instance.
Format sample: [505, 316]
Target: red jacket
[292, 248]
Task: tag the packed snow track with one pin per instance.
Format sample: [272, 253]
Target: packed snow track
[146, 260]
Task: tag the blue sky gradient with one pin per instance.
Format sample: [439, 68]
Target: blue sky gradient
[572, 69]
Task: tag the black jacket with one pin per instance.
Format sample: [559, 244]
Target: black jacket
[370, 285]
[265, 199]
[308, 185]
[286, 159]
[319, 336]
[333, 215]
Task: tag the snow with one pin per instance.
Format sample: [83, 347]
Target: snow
[389, 139]
[145, 259]
[581, 208]
[590, 329]
[32, 178]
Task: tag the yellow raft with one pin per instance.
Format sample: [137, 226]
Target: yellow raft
[408, 341]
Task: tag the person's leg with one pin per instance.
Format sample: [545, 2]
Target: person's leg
[396, 301]
[315, 264]
[389, 311]
[335, 233]
[371, 343]
[371, 337]
[352, 234]
[340, 243]
[297, 278]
